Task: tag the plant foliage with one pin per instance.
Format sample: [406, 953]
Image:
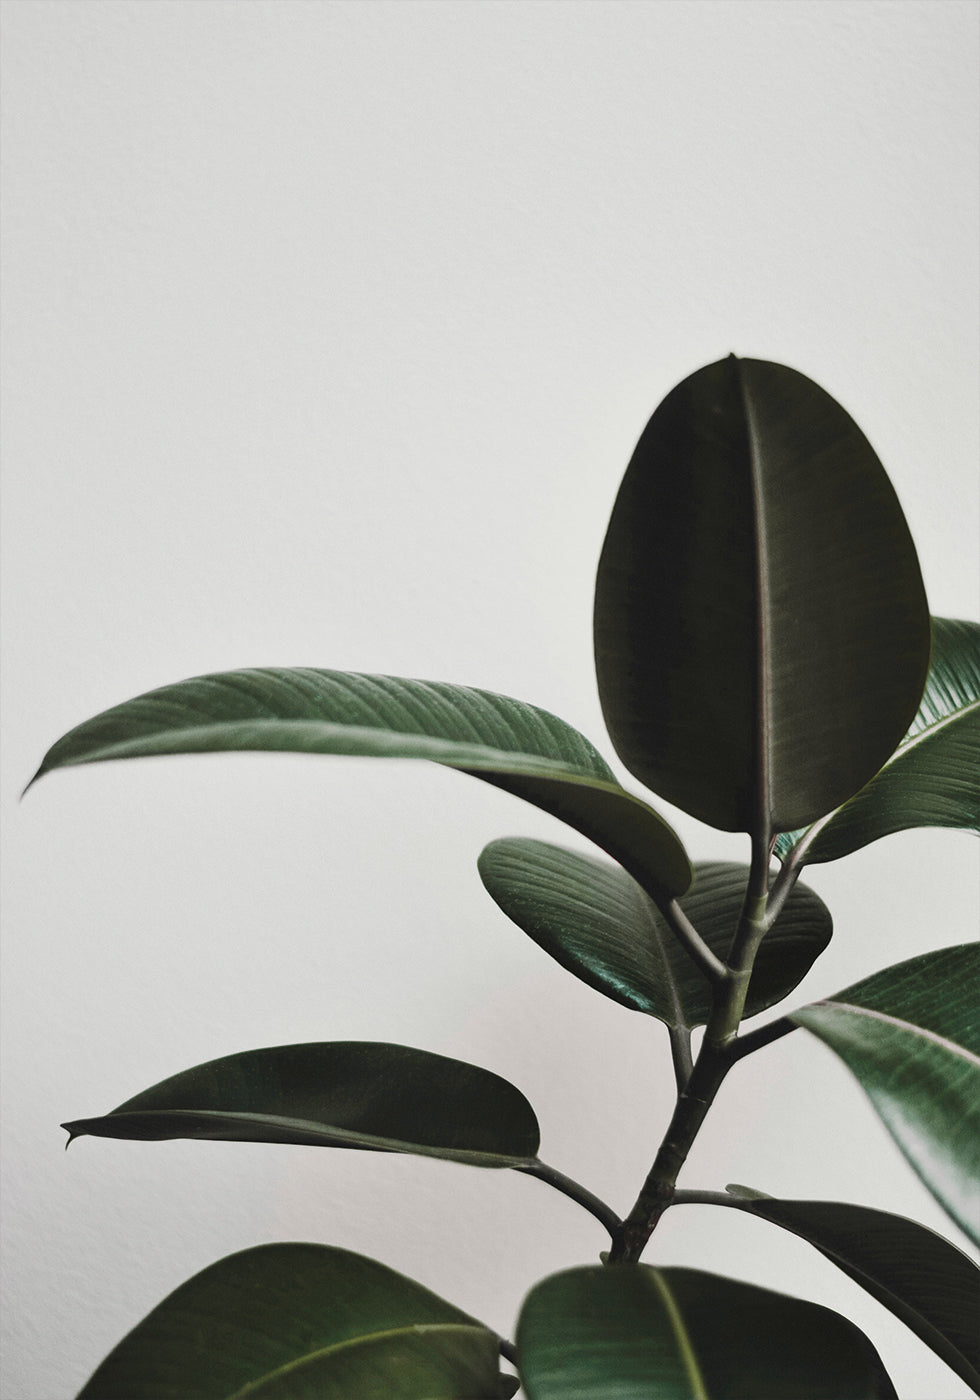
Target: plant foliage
[766, 662]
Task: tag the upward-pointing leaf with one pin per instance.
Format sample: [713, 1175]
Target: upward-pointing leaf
[761, 629]
[911, 1035]
[515, 746]
[933, 777]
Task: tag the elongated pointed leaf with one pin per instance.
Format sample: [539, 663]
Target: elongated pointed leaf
[518, 747]
[597, 922]
[933, 777]
[761, 629]
[638, 1333]
[926, 1281]
[282, 1320]
[359, 1094]
[911, 1035]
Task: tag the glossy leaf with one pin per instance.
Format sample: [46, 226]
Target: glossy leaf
[933, 778]
[926, 1281]
[761, 629]
[358, 1094]
[596, 921]
[639, 1333]
[301, 1322]
[911, 1035]
[515, 746]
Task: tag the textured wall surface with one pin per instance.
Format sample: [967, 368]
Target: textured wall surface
[329, 329]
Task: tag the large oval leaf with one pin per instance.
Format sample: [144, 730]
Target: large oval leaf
[911, 1035]
[597, 922]
[359, 1094]
[933, 777]
[761, 629]
[515, 746]
[289, 1320]
[926, 1281]
[633, 1332]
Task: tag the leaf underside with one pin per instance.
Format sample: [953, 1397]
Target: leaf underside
[300, 1322]
[357, 1094]
[515, 746]
[599, 925]
[911, 1036]
[761, 629]
[933, 778]
[640, 1333]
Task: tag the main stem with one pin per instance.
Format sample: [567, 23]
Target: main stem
[715, 1059]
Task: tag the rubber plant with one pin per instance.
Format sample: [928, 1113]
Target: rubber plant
[766, 662]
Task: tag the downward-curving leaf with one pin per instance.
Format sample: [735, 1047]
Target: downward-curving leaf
[911, 1035]
[597, 922]
[926, 1281]
[933, 778]
[301, 1322]
[639, 1333]
[361, 1094]
[761, 629]
[515, 746]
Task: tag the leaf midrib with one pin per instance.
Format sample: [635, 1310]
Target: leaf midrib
[933, 1037]
[685, 1345]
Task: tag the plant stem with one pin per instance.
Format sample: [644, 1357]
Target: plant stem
[580, 1194]
[680, 1051]
[751, 1041]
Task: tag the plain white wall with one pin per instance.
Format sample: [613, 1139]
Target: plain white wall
[329, 329]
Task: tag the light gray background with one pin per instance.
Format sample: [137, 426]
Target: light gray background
[330, 328]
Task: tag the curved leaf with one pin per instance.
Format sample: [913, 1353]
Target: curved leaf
[597, 922]
[911, 1035]
[926, 1281]
[515, 746]
[286, 1320]
[932, 778]
[360, 1094]
[637, 1333]
[761, 629]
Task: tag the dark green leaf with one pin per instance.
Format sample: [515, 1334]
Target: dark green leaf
[596, 921]
[632, 1332]
[761, 629]
[358, 1094]
[922, 1278]
[298, 1322]
[933, 778]
[515, 746]
[911, 1035]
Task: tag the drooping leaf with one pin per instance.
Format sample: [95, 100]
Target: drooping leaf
[639, 1333]
[515, 746]
[926, 1281]
[596, 921]
[298, 1322]
[911, 1035]
[761, 629]
[359, 1094]
[933, 777]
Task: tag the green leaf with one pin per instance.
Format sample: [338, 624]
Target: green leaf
[926, 1281]
[301, 1322]
[632, 1332]
[911, 1035]
[597, 922]
[360, 1094]
[933, 777]
[761, 629]
[517, 747]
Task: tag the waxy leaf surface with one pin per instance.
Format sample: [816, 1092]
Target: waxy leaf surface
[926, 1281]
[933, 778]
[911, 1035]
[761, 629]
[640, 1333]
[596, 921]
[515, 746]
[301, 1322]
[360, 1094]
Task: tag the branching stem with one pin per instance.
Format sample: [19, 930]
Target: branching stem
[606, 1216]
